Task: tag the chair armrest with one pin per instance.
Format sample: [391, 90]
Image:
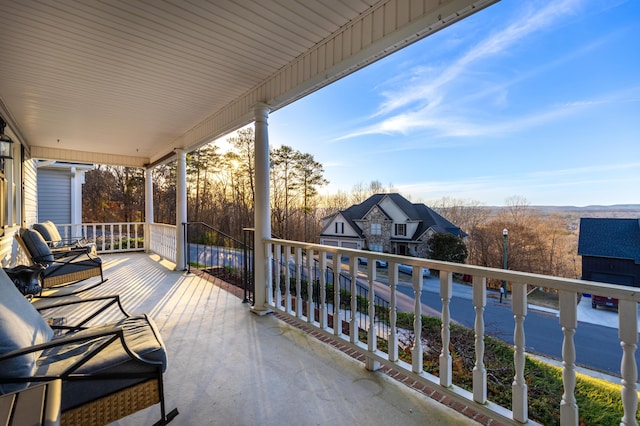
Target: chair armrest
[68, 256]
[110, 336]
[107, 302]
[60, 252]
[66, 242]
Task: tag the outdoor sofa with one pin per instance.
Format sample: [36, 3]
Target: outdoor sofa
[107, 371]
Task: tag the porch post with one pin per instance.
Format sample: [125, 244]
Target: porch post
[77, 177]
[181, 207]
[262, 214]
[148, 208]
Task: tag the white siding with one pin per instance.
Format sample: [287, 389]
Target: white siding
[54, 195]
[393, 210]
[25, 209]
[29, 193]
[348, 230]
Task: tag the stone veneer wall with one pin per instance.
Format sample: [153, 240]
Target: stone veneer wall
[376, 216]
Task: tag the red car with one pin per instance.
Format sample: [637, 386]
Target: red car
[603, 301]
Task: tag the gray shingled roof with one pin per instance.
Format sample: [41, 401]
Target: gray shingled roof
[419, 212]
[615, 238]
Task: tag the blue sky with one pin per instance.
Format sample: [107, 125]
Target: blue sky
[534, 99]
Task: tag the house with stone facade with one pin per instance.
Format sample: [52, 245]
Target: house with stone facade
[386, 223]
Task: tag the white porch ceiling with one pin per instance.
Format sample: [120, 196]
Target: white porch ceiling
[126, 82]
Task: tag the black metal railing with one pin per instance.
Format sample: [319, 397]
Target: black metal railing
[344, 282]
[220, 255]
[231, 260]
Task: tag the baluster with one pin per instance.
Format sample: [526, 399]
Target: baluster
[393, 315]
[298, 282]
[416, 352]
[372, 337]
[278, 275]
[337, 328]
[322, 269]
[270, 272]
[353, 323]
[287, 279]
[519, 386]
[569, 322]
[628, 333]
[446, 291]
[310, 308]
[479, 371]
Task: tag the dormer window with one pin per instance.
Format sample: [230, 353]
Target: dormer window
[339, 227]
[401, 229]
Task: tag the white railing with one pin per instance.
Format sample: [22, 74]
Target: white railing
[108, 237]
[124, 236]
[163, 240]
[283, 252]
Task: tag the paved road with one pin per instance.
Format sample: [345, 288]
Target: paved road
[596, 329]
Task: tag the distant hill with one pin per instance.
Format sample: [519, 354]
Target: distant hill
[632, 209]
[572, 214]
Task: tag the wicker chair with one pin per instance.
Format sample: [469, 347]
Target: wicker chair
[108, 371]
[76, 267]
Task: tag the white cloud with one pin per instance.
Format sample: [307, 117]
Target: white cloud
[423, 99]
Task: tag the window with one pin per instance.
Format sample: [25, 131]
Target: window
[401, 229]
[376, 229]
[375, 247]
[339, 227]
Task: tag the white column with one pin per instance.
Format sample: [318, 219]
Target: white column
[148, 207]
[262, 215]
[181, 207]
[77, 179]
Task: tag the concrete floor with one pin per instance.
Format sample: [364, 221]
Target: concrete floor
[230, 367]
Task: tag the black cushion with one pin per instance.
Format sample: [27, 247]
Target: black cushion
[141, 337]
[37, 246]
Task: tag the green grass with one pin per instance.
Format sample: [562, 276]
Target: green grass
[599, 402]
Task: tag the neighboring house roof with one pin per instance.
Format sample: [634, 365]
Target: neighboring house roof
[613, 238]
[426, 217]
[430, 219]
